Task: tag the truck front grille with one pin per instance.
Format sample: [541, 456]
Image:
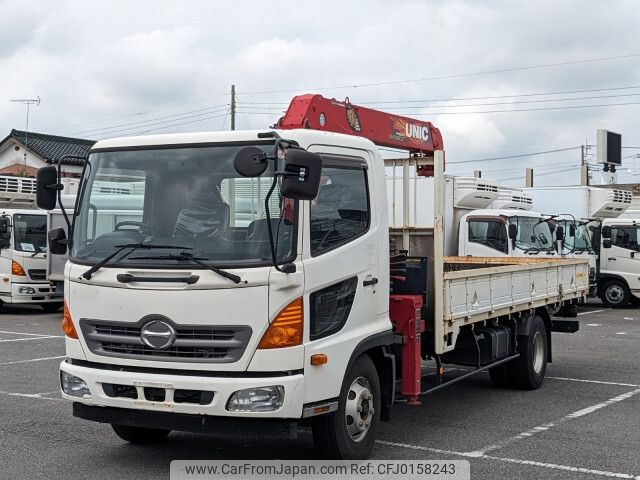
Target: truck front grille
[224, 344]
[37, 274]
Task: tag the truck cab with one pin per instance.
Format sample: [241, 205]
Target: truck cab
[619, 262]
[509, 233]
[23, 251]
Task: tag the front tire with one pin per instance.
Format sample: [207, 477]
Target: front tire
[615, 294]
[350, 432]
[529, 368]
[140, 435]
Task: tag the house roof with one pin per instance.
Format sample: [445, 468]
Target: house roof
[52, 147]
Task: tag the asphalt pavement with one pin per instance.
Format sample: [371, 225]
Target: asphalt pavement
[582, 423]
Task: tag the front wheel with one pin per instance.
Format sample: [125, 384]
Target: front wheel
[350, 432]
[140, 435]
[615, 294]
[529, 368]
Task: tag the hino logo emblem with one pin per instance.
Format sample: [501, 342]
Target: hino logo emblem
[158, 334]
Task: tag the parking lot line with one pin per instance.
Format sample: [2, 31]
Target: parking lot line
[547, 426]
[44, 337]
[32, 395]
[32, 360]
[26, 334]
[554, 466]
[590, 312]
[599, 382]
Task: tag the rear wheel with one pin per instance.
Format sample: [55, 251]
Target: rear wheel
[140, 435]
[51, 307]
[350, 432]
[615, 294]
[529, 368]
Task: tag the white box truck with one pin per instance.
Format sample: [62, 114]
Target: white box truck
[185, 320]
[597, 210]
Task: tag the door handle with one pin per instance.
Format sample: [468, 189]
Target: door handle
[367, 283]
[612, 258]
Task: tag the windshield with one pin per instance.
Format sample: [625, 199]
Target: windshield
[189, 198]
[580, 241]
[30, 232]
[533, 235]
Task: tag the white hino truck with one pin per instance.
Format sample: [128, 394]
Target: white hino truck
[316, 313]
[23, 252]
[597, 212]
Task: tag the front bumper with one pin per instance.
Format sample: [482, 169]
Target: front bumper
[43, 293]
[228, 427]
[222, 387]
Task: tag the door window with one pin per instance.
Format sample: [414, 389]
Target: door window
[490, 233]
[340, 212]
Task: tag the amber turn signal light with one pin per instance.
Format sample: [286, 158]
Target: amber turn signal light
[319, 359]
[67, 325]
[286, 329]
[17, 269]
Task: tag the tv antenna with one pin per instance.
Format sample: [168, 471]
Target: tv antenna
[28, 102]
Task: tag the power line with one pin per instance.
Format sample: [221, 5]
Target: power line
[492, 97]
[455, 75]
[168, 107]
[514, 156]
[184, 123]
[152, 121]
[566, 107]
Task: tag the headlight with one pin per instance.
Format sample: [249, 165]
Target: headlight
[74, 386]
[259, 399]
[26, 291]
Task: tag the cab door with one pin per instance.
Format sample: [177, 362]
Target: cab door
[623, 257]
[341, 269]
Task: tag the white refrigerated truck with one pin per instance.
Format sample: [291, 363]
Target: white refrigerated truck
[597, 211]
[186, 320]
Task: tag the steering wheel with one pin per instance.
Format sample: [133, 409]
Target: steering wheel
[142, 227]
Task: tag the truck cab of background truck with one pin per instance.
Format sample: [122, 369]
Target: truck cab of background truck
[508, 233]
[23, 247]
[619, 274]
[164, 335]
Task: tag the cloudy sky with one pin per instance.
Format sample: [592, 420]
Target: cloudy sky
[108, 68]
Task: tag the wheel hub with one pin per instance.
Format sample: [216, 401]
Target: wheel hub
[538, 352]
[359, 409]
[614, 294]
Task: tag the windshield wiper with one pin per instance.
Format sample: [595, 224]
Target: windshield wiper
[187, 256]
[119, 248]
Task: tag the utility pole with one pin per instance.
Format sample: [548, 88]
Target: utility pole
[28, 102]
[233, 107]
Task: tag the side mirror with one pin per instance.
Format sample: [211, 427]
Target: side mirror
[301, 179]
[47, 187]
[606, 243]
[606, 232]
[572, 230]
[4, 225]
[559, 232]
[250, 162]
[57, 241]
[513, 231]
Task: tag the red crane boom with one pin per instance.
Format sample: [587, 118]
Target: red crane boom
[418, 137]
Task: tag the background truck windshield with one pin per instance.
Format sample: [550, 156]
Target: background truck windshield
[578, 242]
[532, 233]
[30, 232]
[184, 197]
